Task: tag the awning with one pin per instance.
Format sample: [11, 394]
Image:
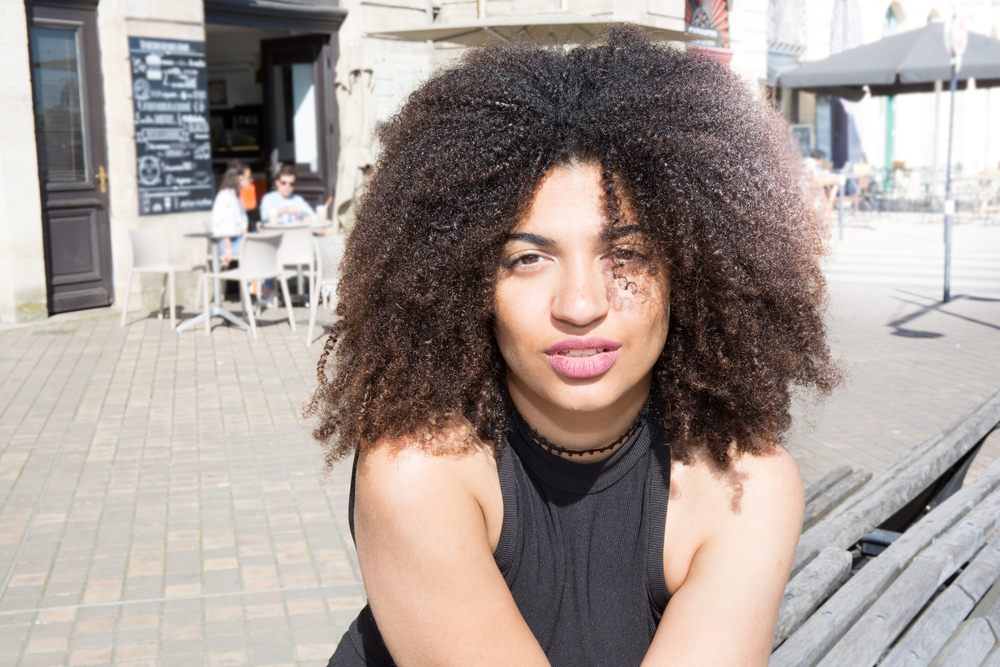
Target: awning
[909, 62]
[556, 28]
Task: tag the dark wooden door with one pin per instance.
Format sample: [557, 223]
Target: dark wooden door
[69, 131]
[300, 110]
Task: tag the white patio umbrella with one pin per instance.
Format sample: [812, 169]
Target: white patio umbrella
[356, 100]
[554, 28]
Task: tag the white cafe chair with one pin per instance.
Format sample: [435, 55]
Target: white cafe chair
[329, 252]
[150, 254]
[297, 252]
[258, 261]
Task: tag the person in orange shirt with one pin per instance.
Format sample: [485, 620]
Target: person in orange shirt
[248, 194]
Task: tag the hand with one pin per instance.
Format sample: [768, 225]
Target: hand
[226, 258]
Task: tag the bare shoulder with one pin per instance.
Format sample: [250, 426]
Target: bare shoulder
[770, 480]
[756, 496]
[427, 520]
[400, 479]
[412, 464]
[731, 536]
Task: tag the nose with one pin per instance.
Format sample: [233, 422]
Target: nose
[581, 298]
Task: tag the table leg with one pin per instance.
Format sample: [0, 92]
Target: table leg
[216, 310]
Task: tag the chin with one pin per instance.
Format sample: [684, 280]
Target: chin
[586, 396]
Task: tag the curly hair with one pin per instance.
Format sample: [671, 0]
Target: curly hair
[687, 149]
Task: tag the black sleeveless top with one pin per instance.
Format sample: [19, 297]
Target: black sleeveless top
[581, 549]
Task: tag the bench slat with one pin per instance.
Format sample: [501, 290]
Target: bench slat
[879, 627]
[807, 645]
[989, 608]
[813, 585]
[833, 496]
[993, 659]
[968, 647]
[825, 482]
[898, 484]
[931, 632]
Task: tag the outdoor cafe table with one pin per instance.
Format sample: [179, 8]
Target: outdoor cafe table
[216, 310]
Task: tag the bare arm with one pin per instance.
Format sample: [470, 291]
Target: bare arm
[425, 527]
[723, 614]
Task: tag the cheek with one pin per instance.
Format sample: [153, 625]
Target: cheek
[508, 322]
[522, 315]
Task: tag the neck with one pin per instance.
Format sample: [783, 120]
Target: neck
[580, 429]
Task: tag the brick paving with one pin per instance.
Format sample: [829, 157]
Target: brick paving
[160, 499]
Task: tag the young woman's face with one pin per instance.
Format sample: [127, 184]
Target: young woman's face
[575, 336]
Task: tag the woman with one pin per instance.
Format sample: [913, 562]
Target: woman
[580, 286]
[229, 218]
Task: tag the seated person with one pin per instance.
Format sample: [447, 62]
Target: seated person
[229, 218]
[281, 206]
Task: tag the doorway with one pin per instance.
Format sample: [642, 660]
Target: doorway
[299, 113]
[272, 101]
[69, 134]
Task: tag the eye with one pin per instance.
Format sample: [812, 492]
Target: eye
[526, 261]
[624, 254]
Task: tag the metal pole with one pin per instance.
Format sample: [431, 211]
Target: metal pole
[840, 213]
[935, 178]
[949, 203]
[481, 9]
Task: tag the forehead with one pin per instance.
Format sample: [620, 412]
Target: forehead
[569, 200]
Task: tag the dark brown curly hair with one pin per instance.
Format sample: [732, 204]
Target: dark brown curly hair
[693, 155]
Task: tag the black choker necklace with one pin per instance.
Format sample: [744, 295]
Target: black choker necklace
[553, 448]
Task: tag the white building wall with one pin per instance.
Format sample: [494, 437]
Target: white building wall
[748, 38]
[22, 253]
[117, 20]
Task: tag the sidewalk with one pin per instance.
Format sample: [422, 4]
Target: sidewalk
[159, 493]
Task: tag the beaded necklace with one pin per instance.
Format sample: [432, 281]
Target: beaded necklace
[546, 444]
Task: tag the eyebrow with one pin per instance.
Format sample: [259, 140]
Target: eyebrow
[610, 234]
[534, 239]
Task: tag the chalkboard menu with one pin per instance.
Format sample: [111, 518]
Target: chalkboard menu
[172, 137]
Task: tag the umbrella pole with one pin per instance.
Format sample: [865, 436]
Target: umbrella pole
[935, 177]
[949, 203]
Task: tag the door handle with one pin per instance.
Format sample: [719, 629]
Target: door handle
[102, 176]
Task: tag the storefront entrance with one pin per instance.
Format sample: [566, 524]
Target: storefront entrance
[69, 132]
[272, 102]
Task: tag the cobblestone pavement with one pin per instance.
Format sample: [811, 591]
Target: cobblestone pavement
[160, 501]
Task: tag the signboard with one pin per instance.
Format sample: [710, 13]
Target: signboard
[709, 20]
[394, 76]
[172, 138]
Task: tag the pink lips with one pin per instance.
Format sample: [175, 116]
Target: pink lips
[583, 357]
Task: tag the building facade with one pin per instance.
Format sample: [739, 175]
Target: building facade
[121, 114]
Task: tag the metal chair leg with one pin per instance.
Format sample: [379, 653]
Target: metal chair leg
[163, 293]
[173, 316]
[288, 302]
[204, 282]
[245, 295]
[128, 288]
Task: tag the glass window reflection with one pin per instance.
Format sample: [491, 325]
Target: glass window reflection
[56, 80]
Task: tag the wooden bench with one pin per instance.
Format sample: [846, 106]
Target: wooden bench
[902, 568]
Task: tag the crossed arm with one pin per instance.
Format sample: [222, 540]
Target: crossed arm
[427, 526]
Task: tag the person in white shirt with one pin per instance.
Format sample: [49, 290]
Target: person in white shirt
[281, 206]
[229, 218]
